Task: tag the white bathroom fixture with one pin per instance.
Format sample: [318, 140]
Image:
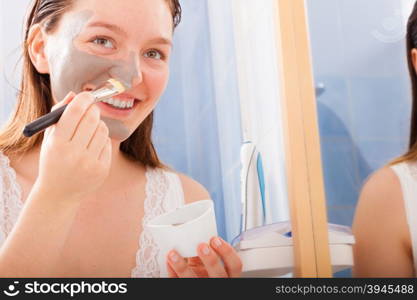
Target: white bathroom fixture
[267, 251]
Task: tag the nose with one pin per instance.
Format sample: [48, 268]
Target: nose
[128, 70]
[137, 72]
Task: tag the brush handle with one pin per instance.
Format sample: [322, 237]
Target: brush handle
[44, 122]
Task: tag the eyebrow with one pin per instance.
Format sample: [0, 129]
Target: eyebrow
[109, 26]
[117, 29]
[161, 40]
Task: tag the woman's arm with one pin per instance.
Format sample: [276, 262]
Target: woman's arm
[33, 247]
[74, 161]
[383, 244]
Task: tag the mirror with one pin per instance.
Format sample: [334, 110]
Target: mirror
[363, 93]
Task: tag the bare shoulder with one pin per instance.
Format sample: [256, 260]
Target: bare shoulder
[381, 201]
[382, 187]
[193, 190]
[380, 220]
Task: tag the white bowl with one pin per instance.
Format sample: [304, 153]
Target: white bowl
[185, 228]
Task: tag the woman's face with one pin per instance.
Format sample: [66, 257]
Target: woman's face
[129, 40]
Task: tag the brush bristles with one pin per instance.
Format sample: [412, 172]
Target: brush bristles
[117, 85]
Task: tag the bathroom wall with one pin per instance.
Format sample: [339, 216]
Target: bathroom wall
[358, 50]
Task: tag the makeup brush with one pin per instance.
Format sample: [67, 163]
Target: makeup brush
[112, 88]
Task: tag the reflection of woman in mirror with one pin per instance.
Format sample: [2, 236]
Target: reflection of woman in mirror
[385, 225]
[73, 200]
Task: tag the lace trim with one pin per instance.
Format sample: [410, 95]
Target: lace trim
[147, 264]
[11, 196]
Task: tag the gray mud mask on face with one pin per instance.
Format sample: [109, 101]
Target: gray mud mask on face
[71, 69]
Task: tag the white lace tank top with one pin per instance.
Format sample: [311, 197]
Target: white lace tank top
[163, 193]
[407, 174]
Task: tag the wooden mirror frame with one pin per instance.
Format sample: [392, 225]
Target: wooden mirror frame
[302, 141]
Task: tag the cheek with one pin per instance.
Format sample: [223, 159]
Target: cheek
[157, 82]
[71, 69]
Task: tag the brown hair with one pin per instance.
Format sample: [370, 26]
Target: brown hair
[411, 40]
[35, 97]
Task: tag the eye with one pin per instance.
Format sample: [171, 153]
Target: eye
[154, 54]
[106, 43]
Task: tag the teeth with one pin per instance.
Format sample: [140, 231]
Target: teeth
[119, 104]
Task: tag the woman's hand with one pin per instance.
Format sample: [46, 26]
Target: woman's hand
[218, 259]
[75, 155]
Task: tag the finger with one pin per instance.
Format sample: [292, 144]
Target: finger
[105, 154]
[179, 265]
[229, 256]
[66, 100]
[98, 141]
[73, 115]
[49, 131]
[194, 261]
[87, 127]
[171, 272]
[211, 261]
[197, 266]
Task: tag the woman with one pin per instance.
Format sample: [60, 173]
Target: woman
[74, 199]
[385, 225]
